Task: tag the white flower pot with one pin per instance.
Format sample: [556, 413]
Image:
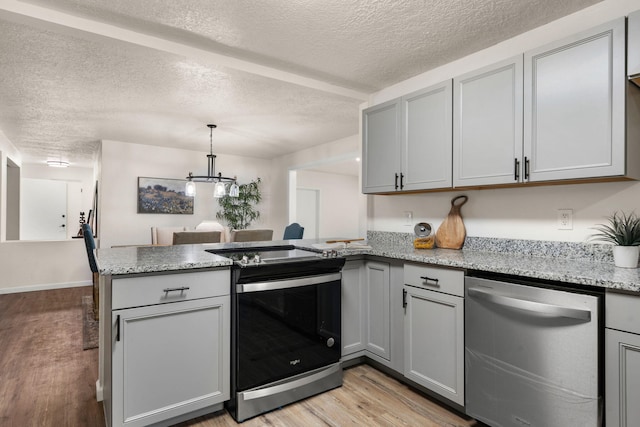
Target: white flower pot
[626, 256]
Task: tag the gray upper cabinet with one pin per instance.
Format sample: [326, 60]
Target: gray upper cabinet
[487, 125]
[381, 147]
[407, 142]
[574, 106]
[426, 138]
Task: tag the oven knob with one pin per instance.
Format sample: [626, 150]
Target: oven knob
[325, 254]
[330, 342]
[245, 259]
[256, 259]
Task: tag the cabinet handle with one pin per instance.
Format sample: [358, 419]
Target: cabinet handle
[401, 180]
[426, 279]
[526, 168]
[404, 298]
[516, 169]
[118, 327]
[396, 185]
[181, 289]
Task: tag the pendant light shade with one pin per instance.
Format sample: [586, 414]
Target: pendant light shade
[220, 181]
[219, 190]
[234, 190]
[190, 188]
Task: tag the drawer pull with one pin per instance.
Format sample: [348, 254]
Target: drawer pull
[426, 279]
[182, 289]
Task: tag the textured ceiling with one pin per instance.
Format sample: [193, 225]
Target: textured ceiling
[304, 67]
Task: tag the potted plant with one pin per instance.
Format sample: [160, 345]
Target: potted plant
[623, 231]
[240, 211]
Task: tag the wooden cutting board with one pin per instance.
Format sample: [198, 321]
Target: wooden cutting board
[451, 233]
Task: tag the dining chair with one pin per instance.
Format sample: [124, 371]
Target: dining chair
[90, 245]
[193, 237]
[251, 235]
[293, 231]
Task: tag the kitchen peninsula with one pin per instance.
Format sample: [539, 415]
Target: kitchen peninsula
[576, 266]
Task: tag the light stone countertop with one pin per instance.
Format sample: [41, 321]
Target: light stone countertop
[562, 262]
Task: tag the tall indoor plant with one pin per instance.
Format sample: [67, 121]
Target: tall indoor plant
[240, 211]
[623, 231]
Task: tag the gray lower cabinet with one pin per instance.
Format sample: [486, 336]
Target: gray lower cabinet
[622, 360]
[353, 309]
[434, 329]
[378, 310]
[170, 342]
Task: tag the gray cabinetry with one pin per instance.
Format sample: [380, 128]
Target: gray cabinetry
[574, 106]
[353, 309]
[377, 294]
[407, 142]
[381, 147]
[434, 329]
[622, 360]
[170, 343]
[487, 125]
[426, 138]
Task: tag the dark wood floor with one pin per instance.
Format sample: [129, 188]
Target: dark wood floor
[46, 379]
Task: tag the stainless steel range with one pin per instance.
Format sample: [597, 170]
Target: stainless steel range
[285, 343]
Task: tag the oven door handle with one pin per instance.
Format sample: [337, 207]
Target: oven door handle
[286, 284]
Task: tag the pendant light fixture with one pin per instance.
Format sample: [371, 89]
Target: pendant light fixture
[220, 188]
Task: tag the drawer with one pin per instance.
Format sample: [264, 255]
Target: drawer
[165, 288]
[435, 278]
[622, 312]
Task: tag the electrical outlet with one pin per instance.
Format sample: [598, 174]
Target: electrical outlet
[565, 219]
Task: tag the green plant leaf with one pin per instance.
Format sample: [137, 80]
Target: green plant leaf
[622, 230]
[239, 212]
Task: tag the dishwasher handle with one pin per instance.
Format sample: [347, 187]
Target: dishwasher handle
[531, 306]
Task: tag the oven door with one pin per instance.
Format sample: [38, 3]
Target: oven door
[286, 327]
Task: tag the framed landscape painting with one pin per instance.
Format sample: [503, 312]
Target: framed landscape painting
[163, 196]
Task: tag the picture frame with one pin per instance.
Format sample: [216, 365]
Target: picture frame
[163, 196]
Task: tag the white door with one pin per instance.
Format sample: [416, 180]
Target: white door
[307, 211]
[43, 209]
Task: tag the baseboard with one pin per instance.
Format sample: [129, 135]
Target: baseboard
[99, 394]
[45, 287]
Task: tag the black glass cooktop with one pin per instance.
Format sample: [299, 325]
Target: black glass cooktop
[260, 255]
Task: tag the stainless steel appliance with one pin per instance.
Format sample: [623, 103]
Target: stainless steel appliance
[286, 312]
[532, 354]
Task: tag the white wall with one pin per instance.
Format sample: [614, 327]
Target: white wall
[338, 216]
[121, 165]
[519, 213]
[335, 150]
[36, 265]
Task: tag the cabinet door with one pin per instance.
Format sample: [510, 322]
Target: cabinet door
[169, 360]
[381, 147]
[353, 308]
[487, 125]
[426, 139]
[574, 106]
[378, 285]
[622, 362]
[434, 342]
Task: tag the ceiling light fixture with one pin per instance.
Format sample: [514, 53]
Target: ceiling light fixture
[57, 164]
[220, 188]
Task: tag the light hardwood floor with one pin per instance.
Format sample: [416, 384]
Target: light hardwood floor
[46, 379]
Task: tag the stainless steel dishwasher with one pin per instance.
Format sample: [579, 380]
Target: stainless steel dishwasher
[532, 354]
